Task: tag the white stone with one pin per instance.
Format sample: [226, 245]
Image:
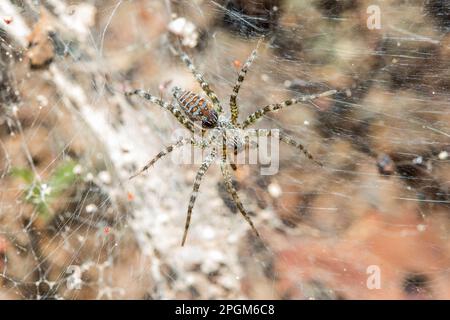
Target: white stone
[275, 190]
[104, 177]
[443, 155]
[186, 30]
[421, 227]
[91, 208]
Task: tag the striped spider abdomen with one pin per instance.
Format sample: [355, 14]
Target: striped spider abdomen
[196, 108]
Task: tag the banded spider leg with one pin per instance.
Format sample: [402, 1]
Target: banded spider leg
[255, 116]
[283, 137]
[198, 179]
[233, 105]
[185, 121]
[232, 191]
[203, 84]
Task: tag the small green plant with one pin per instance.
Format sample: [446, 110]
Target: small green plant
[42, 193]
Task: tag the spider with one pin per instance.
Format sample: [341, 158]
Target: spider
[191, 109]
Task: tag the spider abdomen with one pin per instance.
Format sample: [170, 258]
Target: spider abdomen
[196, 108]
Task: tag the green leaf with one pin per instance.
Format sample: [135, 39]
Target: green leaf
[42, 194]
[62, 177]
[24, 173]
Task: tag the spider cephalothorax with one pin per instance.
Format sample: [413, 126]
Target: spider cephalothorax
[226, 134]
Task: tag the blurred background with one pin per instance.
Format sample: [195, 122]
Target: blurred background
[373, 223]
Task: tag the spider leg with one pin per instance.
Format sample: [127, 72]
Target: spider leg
[198, 179]
[252, 118]
[232, 191]
[292, 142]
[165, 151]
[188, 124]
[203, 84]
[233, 106]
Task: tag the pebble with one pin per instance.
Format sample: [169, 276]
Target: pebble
[443, 155]
[104, 177]
[275, 190]
[186, 30]
[208, 233]
[91, 208]
[421, 227]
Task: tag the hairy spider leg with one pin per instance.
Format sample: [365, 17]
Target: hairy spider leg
[198, 179]
[203, 84]
[188, 124]
[252, 118]
[232, 191]
[290, 141]
[167, 150]
[233, 105]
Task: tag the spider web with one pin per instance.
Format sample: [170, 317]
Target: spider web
[372, 223]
